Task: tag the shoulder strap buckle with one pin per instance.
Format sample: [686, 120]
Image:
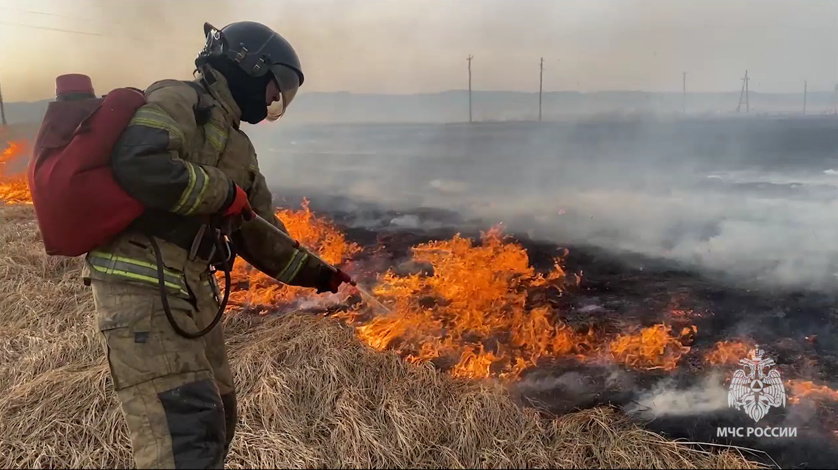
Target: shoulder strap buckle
[202, 109]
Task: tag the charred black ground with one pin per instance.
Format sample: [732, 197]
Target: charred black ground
[796, 328]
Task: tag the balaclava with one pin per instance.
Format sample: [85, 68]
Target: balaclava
[247, 91]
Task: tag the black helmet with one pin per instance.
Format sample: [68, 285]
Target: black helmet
[261, 54]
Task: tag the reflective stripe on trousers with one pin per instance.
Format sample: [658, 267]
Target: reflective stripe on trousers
[135, 270]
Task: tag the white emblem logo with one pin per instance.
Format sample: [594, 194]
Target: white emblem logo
[759, 389]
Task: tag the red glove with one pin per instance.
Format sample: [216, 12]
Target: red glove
[240, 205]
[331, 280]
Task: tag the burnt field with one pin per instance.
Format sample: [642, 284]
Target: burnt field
[676, 384]
[576, 268]
[687, 244]
[311, 394]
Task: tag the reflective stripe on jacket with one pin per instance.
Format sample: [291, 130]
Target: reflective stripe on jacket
[295, 264]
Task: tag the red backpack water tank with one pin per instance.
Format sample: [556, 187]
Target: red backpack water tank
[78, 203]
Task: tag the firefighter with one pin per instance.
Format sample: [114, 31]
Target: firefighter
[185, 157]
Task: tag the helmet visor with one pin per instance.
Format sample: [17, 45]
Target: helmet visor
[288, 83]
[276, 109]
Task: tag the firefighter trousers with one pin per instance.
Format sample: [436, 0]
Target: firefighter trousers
[176, 393]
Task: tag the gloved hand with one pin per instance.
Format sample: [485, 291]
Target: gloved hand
[240, 204]
[331, 280]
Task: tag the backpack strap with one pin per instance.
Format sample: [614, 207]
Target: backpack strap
[202, 110]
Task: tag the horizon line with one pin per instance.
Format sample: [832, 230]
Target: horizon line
[576, 92]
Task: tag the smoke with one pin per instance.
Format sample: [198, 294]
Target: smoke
[665, 400]
[752, 238]
[576, 383]
[414, 46]
[753, 200]
[323, 301]
[750, 201]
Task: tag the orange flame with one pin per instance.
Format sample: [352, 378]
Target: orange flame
[799, 389]
[254, 290]
[728, 352]
[14, 188]
[476, 309]
[472, 311]
[652, 348]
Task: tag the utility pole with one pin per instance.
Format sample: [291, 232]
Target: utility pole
[540, 87]
[469, 86]
[2, 110]
[745, 93]
[805, 91]
[684, 95]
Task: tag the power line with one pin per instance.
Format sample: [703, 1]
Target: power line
[21, 10]
[87, 33]
[52, 29]
[113, 22]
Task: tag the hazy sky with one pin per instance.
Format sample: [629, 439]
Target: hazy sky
[405, 46]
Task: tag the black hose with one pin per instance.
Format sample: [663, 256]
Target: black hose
[164, 298]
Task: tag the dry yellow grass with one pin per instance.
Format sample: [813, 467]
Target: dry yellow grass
[310, 394]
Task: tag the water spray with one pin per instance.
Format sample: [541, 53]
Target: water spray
[370, 298]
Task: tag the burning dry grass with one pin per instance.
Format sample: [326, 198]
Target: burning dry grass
[654, 347]
[807, 389]
[728, 352]
[13, 185]
[256, 292]
[310, 393]
[478, 293]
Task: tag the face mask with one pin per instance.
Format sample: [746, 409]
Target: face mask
[251, 101]
[248, 92]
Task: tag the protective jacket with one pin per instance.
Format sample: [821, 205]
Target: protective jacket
[181, 156]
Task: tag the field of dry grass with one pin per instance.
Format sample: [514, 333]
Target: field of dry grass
[310, 394]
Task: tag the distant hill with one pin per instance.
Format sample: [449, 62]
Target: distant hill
[452, 106]
[23, 112]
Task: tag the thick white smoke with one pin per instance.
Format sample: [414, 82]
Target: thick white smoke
[664, 399]
[754, 202]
